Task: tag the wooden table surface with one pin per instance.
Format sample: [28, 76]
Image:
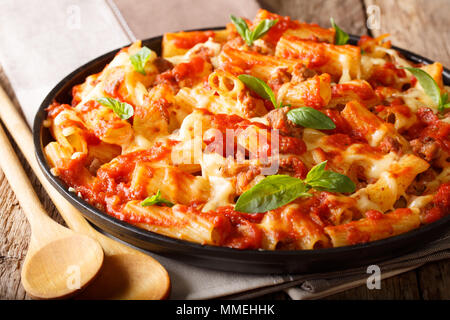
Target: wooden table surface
[421, 26]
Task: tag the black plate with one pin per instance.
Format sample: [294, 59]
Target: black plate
[220, 258]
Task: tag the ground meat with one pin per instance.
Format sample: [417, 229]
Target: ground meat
[293, 166]
[278, 120]
[162, 64]
[244, 178]
[419, 185]
[302, 73]
[357, 174]
[279, 77]
[426, 148]
[390, 144]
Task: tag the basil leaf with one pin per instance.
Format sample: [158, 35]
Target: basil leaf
[445, 102]
[242, 29]
[316, 172]
[277, 190]
[251, 35]
[139, 59]
[428, 84]
[270, 193]
[122, 109]
[321, 179]
[444, 98]
[262, 28]
[341, 36]
[310, 118]
[156, 200]
[260, 87]
[334, 182]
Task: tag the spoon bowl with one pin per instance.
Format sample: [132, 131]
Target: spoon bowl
[140, 278]
[61, 268]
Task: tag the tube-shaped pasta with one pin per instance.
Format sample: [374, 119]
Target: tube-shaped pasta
[290, 228]
[178, 43]
[359, 90]
[105, 124]
[225, 84]
[314, 92]
[293, 27]
[377, 226]
[68, 129]
[392, 184]
[175, 185]
[176, 222]
[259, 65]
[341, 62]
[370, 126]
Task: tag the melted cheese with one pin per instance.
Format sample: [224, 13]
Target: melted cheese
[214, 47]
[345, 61]
[222, 189]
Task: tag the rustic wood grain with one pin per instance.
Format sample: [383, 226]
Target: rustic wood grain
[434, 280]
[421, 26]
[402, 287]
[348, 14]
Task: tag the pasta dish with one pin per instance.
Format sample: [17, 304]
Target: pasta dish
[269, 134]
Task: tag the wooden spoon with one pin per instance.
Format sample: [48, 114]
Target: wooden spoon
[59, 262]
[126, 272]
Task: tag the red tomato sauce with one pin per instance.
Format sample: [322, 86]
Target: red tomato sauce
[315, 57]
[364, 92]
[55, 108]
[386, 75]
[186, 40]
[441, 204]
[429, 125]
[283, 24]
[355, 236]
[183, 71]
[374, 215]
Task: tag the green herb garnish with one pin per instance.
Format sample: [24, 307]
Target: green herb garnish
[278, 190]
[139, 59]
[156, 200]
[260, 87]
[431, 88]
[341, 36]
[251, 35]
[310, 118]
[122, 109]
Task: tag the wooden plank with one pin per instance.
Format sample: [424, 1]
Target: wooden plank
[434, 280]
[421, 26]
[348, 14]
[14, 236]
[401, 287]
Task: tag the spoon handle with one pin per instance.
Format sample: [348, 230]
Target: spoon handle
[18, 180]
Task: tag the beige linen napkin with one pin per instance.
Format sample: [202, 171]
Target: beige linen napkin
[42, 41]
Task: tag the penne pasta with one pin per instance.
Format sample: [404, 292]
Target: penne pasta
[264, 135]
